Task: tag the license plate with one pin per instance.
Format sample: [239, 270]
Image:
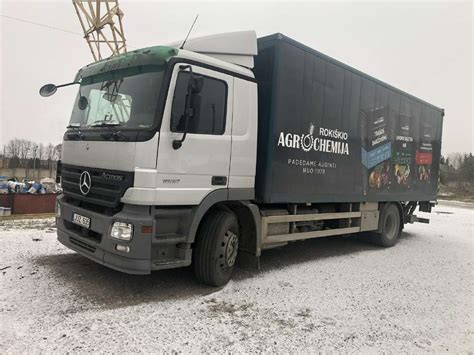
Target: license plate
[81, 220]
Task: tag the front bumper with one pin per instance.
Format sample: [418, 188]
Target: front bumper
[104, 257]
[95, 243]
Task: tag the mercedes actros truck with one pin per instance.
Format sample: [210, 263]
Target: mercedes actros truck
[214, 151]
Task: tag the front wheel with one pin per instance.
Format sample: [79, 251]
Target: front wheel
[389, 226]
[216, 248]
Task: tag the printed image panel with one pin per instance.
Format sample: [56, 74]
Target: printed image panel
[313, 148]
[376, 148]
[424, 152]
[403, 144]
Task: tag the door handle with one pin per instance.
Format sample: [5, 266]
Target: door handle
[219, 180]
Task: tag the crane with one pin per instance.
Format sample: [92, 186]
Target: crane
[101, 21]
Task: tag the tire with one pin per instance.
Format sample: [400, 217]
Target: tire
[216, 248]
[389, 227]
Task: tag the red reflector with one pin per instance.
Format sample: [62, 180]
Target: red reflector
[147, 229]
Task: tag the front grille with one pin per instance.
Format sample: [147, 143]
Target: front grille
[84, 232]
[106, 189]
[82, 245]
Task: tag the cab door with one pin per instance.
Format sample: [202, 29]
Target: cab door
[187, 174]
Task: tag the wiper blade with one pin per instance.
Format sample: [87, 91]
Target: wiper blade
[75, 135]
[105, 124]
[117, 135]
[74, 125]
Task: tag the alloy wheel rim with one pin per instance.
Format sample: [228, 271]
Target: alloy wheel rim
[231, 248]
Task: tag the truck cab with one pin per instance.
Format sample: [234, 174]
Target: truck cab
[156, 137]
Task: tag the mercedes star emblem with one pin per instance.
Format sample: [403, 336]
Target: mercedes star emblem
[85, 182]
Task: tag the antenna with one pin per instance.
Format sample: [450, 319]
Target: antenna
[192, 26]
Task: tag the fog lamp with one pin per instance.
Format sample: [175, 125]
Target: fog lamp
[121, 231]
[122, 248]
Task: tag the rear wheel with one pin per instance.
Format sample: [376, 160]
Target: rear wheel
[216, 248]
[389, 226]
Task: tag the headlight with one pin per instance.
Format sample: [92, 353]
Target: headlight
[121, 231]
[58, 209]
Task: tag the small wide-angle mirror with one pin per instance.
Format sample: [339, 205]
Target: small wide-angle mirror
[48, 90]
[82, 103]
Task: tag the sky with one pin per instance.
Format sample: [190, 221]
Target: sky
[424, 48]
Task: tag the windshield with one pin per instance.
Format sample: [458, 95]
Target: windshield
[126, 102]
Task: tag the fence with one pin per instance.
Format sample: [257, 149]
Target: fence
[29, 203]
[32, 174]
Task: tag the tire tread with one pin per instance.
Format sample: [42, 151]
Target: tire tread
[379, 238]
[205, 246]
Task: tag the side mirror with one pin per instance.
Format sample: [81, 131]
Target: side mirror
[82, 103]
[48, 90]
[195, 84]
[193, 103]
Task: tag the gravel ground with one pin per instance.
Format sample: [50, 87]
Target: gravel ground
[332, 294]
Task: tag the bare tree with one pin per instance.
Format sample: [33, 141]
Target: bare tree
[58, 152]
[41, 153]
[49, 152]
[12, 148]
[25, 147]
[455, 160]
[49, 157]
[24, 153]
[34, 156]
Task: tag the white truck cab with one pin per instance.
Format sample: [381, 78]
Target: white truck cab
[120, 161]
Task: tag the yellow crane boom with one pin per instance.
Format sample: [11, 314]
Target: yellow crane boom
[101, 21]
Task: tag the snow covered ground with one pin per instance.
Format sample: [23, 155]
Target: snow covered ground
[332, 294]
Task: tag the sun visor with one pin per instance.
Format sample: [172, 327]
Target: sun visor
[233, 47]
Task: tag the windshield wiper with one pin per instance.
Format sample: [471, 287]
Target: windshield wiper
[105, 124]
[117, 135]
[74, 125]
[75, 135]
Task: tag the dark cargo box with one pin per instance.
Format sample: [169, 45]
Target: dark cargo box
[330, 133]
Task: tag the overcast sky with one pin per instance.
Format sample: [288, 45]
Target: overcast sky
[424, 48]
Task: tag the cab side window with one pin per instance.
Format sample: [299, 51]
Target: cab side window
[212, 109]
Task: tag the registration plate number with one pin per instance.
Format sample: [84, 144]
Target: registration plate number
[81, 220]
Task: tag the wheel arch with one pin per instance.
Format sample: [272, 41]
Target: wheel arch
[246, 212]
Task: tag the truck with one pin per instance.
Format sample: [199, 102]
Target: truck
[228, 145]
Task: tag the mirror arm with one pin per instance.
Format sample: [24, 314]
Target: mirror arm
[72, 83]
[184, 67]
[177, 143]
